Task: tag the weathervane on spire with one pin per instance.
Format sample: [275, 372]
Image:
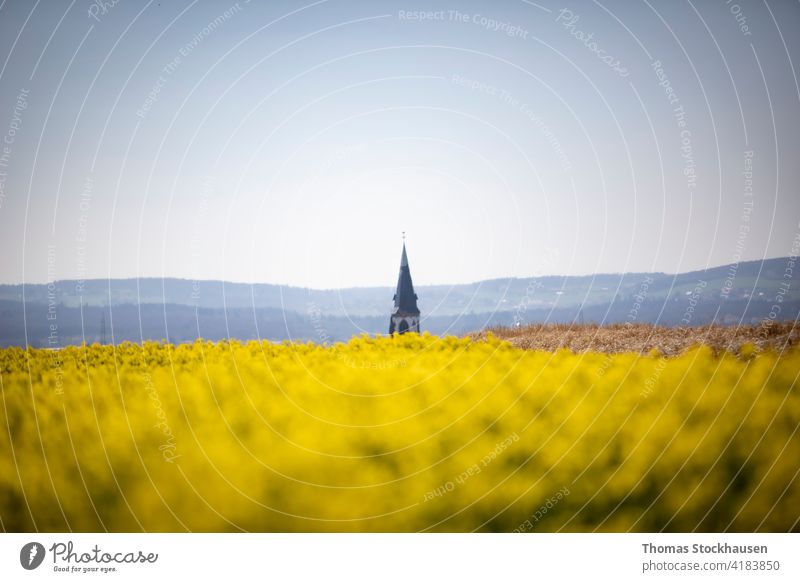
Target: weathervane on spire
[404, 236]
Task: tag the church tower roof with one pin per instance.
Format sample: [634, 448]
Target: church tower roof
[405, 300]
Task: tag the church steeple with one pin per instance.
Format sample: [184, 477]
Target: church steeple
[405, 315]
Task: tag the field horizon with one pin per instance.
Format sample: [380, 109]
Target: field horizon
[181, 310]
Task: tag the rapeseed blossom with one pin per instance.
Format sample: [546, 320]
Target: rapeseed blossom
[406, 433]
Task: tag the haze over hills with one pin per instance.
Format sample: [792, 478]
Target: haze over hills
[182, 310]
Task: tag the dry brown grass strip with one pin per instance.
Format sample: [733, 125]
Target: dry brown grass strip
[643, 338]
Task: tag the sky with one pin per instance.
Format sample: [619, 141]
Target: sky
[294, 142]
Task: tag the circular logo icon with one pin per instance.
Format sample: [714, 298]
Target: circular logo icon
[31, 555]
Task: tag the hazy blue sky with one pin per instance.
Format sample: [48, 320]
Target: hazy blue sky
[292, 142]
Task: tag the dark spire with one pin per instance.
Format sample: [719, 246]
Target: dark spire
[405, 300]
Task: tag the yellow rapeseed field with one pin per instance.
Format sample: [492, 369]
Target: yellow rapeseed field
[408, 433]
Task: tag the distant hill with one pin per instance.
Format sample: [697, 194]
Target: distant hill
[182, 310]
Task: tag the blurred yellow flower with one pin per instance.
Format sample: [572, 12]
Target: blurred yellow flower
[407, 433]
